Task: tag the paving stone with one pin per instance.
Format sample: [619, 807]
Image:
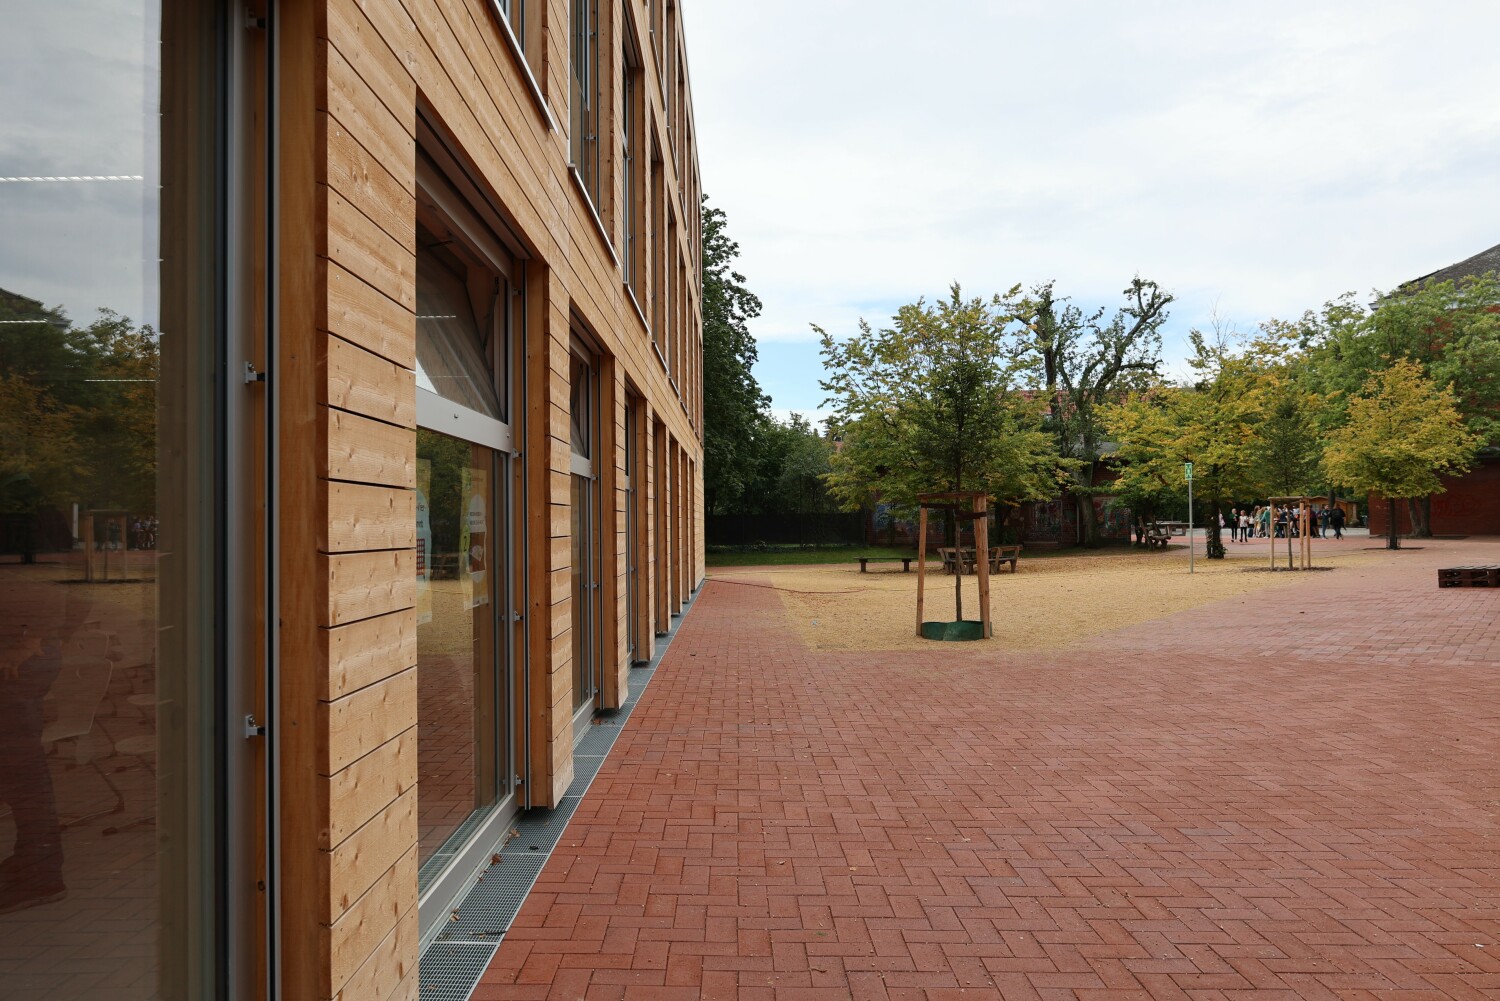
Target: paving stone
[1290, 794]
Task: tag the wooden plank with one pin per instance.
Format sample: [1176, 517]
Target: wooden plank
[353, 103]
[367, 719]
[386, 199]
[362, 517]
[370, 784]
[361, 450]
[392, 963]
[356, 936]
[359, 245]
[357, 41]
[300, 459]
[366, 855]
[362, 315]
[365, 383]
[363, 585]
[368, 651]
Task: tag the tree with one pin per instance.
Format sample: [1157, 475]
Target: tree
[734, 407]
[1404, 433]
[1083, 365]
[1451, 329]
[933, 403]
[1214, 424]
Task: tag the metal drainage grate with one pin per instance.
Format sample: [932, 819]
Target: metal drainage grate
[449, 971]
[496, 898]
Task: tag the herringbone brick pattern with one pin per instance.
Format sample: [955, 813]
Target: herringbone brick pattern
[1290, 795]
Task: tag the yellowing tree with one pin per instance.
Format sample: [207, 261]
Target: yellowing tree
[1403, 434]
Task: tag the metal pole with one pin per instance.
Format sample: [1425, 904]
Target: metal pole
[1191, 548]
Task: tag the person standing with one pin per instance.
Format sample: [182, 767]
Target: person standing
[1336, 519]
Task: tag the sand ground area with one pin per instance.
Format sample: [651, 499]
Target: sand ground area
[1049, 602]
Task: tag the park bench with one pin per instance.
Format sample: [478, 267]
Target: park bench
[864, 561]
[1157, 536]
[1004, 554]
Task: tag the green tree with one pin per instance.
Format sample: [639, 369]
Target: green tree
[1215, 424]
[934, 403]
[1083, 365]
[1451, 329]
[734, 407]
[790, 476]
[1404, 433]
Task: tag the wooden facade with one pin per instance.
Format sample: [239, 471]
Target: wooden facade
[361, 83]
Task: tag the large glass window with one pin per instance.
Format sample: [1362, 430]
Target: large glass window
[583, 408]
[584, 97]
[115, 821]
[630, 141]
[469, 306]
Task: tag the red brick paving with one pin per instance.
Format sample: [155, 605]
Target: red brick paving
[1288, 795]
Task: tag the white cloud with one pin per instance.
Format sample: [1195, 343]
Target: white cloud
[1267, 156]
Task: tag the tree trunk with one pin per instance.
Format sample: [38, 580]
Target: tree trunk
[1392, 541]
[1088, 522]
[1215, 548]
[1420, 509]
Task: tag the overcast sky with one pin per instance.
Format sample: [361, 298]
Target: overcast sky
[1261, 158]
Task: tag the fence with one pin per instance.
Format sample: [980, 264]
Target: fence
[840, 529]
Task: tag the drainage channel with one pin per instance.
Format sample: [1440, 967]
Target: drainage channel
[453, 963]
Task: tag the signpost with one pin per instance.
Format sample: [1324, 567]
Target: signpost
[1187, 471]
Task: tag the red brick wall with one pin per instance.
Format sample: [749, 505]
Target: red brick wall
[1469, 506]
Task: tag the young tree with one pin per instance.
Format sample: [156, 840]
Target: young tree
[1213, 424]
[734, 407]
[1450, 329]
[933, 403]
[1404, 433]
[1083, 366]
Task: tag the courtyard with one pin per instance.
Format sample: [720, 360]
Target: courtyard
[1149, 785]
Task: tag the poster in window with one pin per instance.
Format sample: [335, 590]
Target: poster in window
[476, 538]
[424, 542]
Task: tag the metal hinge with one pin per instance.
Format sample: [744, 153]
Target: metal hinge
[252, 375]
[252, 728]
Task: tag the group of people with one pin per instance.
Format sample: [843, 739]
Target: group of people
[1259, 522]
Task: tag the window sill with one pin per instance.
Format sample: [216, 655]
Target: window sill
[636, 305]
[520, 57]
[655, 347]
[594, 214]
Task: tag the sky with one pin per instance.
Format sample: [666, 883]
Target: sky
[1256, 160]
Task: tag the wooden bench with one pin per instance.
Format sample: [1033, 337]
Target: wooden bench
[864, 562]
[1157, 537]
[1004, 554]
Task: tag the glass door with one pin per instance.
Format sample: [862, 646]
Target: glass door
[469, 306]
[583, 398]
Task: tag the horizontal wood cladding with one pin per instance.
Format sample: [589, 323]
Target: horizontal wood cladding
[363, 248]
[361, 314]
[362, 450]
[358, 75]
[391, 967]
[357, 934]
[360, 722]
[369, 185]
[364, 517]
[370, 784]
[363, 585]
[363, 382]
[371, 650]
[363, 857]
